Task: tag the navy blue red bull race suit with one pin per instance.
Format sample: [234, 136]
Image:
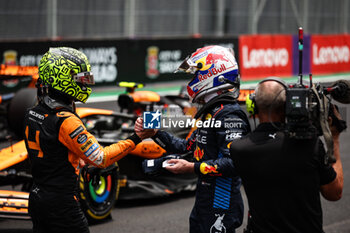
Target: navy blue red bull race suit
[218, 206]
[56, 140]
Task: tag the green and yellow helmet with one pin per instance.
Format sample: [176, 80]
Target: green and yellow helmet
[67, 71]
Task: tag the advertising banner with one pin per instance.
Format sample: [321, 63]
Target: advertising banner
[112, 61]
[265, 55]
[330, 54]
[102, 55]
[162, 57]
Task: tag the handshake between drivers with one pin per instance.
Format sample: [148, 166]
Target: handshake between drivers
[141, 132]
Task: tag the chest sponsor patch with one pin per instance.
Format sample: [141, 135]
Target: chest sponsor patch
[91, 149]
[233, 136]
[36, 115]
[201, 139]
[198, 153]
[76, 132]
[88, 143]
[82, 138]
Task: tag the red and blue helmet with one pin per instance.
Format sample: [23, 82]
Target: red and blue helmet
[214, 68]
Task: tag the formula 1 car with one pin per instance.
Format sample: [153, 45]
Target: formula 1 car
[124, 180]
[14, 80]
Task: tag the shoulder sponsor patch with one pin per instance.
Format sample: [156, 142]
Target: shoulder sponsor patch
[91, 149]
[82, 138]
[64, 114]
[76, 132]
[88, 143]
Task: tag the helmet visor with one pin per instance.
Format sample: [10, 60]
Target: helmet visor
[86, 78]
[188, 66]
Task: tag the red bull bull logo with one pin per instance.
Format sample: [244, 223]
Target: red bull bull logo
[213, 58]
[198, 153]
[205, 168]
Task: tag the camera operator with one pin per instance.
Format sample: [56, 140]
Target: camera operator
[282, 176]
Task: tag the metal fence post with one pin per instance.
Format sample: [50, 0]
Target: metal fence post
[129, 18]
[345, 16]
[256, 10]
[51, 25]
[194, 17]
[220, 17]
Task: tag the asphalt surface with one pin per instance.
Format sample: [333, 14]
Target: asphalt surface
[171, 214]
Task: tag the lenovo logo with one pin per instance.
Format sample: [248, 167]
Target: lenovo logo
[330, 54]
[257, 58]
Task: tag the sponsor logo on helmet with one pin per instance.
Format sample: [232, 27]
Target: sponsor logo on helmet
[214, 58]
[212, 72]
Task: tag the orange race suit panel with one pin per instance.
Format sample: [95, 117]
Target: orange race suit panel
[57, 140]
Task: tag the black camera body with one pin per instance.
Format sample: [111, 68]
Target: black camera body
[301, 113]
[308, 109]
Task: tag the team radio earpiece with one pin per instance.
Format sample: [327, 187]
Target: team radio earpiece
[250, 99]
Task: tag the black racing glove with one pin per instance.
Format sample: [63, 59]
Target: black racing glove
[91, 173]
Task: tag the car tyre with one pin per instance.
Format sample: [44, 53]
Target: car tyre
[24, 99]
[98, 198]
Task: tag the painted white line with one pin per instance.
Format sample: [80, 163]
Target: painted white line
[336, 225]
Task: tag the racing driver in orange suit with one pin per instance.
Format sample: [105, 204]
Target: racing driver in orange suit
[56, 140]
